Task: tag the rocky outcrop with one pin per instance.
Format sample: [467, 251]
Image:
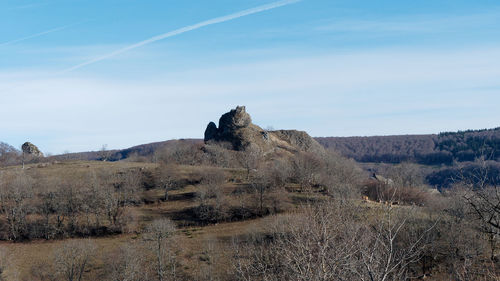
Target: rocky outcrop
[237, 129]
[31, 149]
[235, 119]
[211, 133]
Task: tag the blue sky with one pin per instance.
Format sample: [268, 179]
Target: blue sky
[331, 68]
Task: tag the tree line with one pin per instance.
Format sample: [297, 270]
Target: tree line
[444, 148]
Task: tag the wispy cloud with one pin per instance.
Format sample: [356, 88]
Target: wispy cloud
[179, 31]
[415, 23]
[39, 34]
[393, 91]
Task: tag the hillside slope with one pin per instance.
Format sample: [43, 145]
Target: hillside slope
[443, 148]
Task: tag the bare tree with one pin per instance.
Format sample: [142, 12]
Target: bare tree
[327, 242]
[212, 201]
[213, 180]
[260, 185]
[104, 153]
[407, 175]
[390, 247]
[340, 176]
[73, 258]
[128, 184]
[480, 185]
[70, 204]
[483, 194]
[167, 178]
[267, 184]
[315, 243]
[212, 266]
[16, 189]
[181, 152]
[250, 159]
[306, 169]
[94, 199]
[116, 192]
[47, 207]
[9, 155]
[158, 236]
[219, 154]
[462, 244]
[128, 263]
[112, 204]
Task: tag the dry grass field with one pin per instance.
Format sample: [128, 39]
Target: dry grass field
[22, 257]
[205, 248]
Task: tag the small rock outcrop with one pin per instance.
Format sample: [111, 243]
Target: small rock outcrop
[237, 129]
[31, 149]
[211, 133]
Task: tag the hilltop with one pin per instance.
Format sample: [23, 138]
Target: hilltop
[236, 129]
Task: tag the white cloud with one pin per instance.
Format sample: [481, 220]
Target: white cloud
[377, 92]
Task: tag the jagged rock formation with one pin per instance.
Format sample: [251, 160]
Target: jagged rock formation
[31, 149]
[237, 129]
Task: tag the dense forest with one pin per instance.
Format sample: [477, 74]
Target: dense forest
[444, 148]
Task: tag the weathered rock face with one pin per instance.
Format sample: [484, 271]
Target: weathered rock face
[299, 140]
[31, 149]
[236, 128]
[235, 119]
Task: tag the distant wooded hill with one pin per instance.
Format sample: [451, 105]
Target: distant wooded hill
[444, 148]
[143, 150]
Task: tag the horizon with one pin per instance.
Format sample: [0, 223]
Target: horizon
[181, 139]
[76, 76]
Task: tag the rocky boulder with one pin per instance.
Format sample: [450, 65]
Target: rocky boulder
[31, 149]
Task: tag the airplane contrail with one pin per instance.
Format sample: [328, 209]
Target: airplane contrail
[38, 34]
[186, 29]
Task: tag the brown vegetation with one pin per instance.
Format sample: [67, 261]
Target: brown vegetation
[206, 212]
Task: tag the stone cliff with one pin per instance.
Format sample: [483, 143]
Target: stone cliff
[236, 128]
